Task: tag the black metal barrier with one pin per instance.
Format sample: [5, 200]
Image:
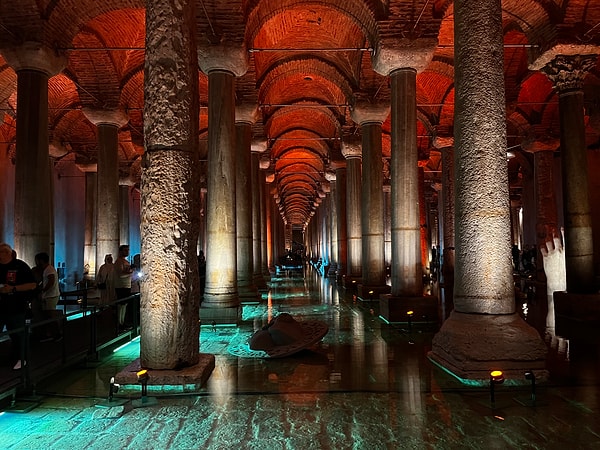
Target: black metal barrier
[84, 332]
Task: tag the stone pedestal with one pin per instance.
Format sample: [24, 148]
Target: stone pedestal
[221, 316]
[394, 309]
[469, 346]
[367, 292]
[187, 379]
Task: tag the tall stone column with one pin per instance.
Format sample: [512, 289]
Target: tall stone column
[257, 149]
[370, 118]
[352, 151]
[246, 116]
[170, 288]
[332, 224]
[222, 64]
[124, 212]
[402, 60]
[342, 228]
[483, 332]
[567, 72]
[107, 219]
[445, 144]
[265, 163]
[89, 239]
[33, 214]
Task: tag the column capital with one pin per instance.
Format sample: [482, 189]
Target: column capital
[364, 112]
[99, 117]
[258, 146]
[533, 144]
[441, 142]
[403, 54]
[35, 56]
[264, 162]
[222, 57]
[352, 148]
[57, 149]
[246, 113]
[87, 167]
[330, 176]
[567, 65]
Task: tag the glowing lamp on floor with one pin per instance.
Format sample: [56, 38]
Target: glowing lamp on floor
[143, 376]
[496, 377]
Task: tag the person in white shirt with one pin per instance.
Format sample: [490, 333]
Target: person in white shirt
[122, 280]
[50, 295]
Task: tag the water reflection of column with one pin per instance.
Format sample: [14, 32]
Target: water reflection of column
[378, 356]
[358, 350]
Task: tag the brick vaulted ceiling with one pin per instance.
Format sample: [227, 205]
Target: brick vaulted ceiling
[310, 62]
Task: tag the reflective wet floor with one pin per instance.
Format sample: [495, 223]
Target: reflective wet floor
[366, 385]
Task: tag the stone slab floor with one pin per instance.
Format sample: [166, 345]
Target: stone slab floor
[367, 385]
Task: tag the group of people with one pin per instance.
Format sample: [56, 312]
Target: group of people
[27, 293]
[113, 280]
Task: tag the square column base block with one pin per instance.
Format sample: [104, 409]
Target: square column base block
[394, 309]
[470, 346]
[577, 307]
[188, 379]
[220, 316]
[372, 293]
[351, 282]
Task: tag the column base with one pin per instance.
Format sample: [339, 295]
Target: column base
[220, 316]
[469, 346]
[187, 379]
[575, 313]
[367, 293]
[350, 282]
[394, 309]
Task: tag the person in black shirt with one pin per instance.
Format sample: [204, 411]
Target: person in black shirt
[17, 287]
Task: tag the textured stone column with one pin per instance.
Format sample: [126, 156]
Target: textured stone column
[483, 332]
[33, 215]
[342, 228]
[333, 224]
[351, 149]
[265, 163]
[222, 64]
[270, 224]
[91, 196]
[370, 118]
[257, 148]
[567, 72]
[170, 289]
[246, 116]
[446, 145]
[402, 60]
[108, 204]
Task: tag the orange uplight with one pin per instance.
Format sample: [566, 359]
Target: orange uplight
[409, 313]
[142, 374]
[497, 376]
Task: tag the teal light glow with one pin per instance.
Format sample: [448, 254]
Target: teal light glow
[135, 339]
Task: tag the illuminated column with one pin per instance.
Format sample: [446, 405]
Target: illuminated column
[270, 225]
[33, 215]
[446, 145]
[567, 71]
[222, 64]
[483, 332]
[264, 164]
[257, 148]
[246, 116]
[107, 204]
[351, 150]
[370, 118]
[333, 223]
[124, 187]
[91, 196]
[342, 228]
[170, 289]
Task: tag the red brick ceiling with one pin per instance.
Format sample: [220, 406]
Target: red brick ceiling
[309, 63]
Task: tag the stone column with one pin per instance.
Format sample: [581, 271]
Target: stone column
[402, 60]
[170, 288]
[567, 72]
[351, 149]
[342, 228]
[33, 214]
[370, 118]
[91, 196]
[257, 149]
[246, 116]
[446, 145]
[265, 163]
[108, 204]
[333, 224]
[483, 332]
[222, 64]
[124, 212]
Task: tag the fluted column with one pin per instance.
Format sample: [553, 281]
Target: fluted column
[246, 116]
[567, 72]
[351, 149]
[342, 228]
[169, 223]
[483, 332]
[107, 219]
[370, 118]
[33, 215]
[222, 64]
[332, 224]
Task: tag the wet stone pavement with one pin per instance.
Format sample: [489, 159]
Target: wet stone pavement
[366, 385]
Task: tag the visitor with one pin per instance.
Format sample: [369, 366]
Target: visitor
[50, 294]
[105, 281]
[122, 281]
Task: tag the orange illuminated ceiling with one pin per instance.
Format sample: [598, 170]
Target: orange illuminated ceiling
[310, 62]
